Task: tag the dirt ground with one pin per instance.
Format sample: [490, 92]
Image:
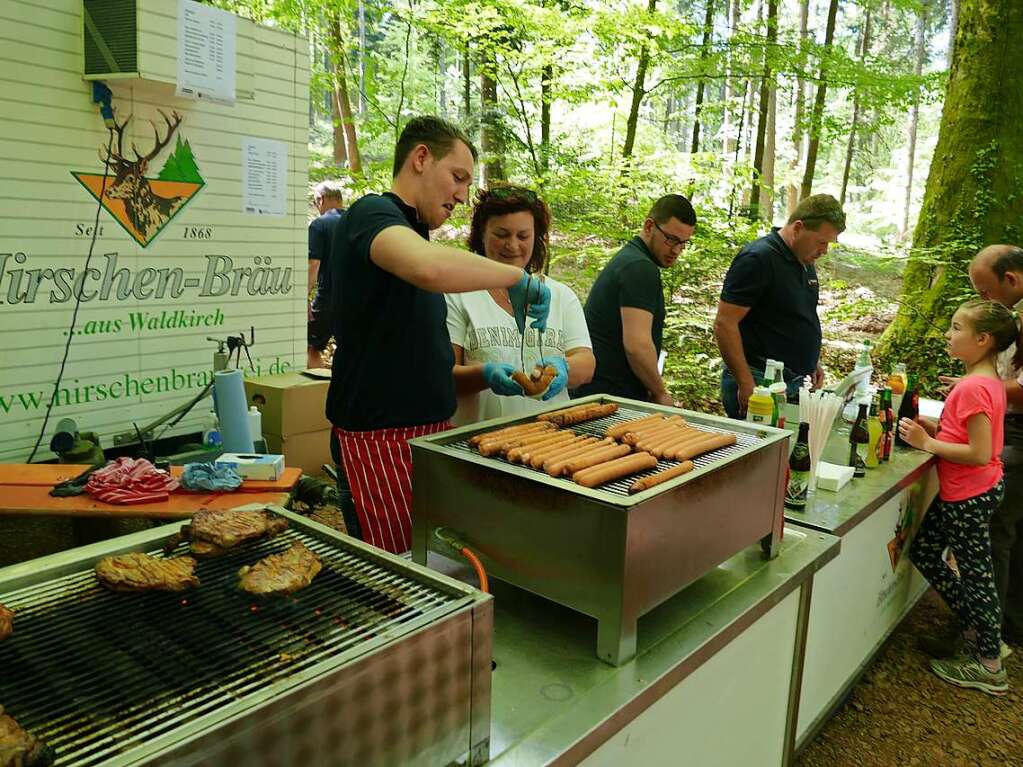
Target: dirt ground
[901, 714]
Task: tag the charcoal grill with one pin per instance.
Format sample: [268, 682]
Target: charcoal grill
[377, 662]
[601, 551]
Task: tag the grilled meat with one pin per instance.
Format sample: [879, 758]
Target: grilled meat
[282, 573]
[212, 532]
[141, 572]
[19, 748]
[6, 622]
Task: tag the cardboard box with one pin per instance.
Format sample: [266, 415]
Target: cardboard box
[266, 467]
[308, 451]
[290, 403]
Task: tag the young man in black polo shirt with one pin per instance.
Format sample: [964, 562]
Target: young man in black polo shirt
[768, 306]
[391, 380]
[327, 199]
[625, 308]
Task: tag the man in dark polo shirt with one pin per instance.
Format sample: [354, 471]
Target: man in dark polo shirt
[768, 306]
[391, 380]
[327, 199]
[625, 308]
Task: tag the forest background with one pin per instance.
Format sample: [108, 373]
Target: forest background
[906, 110]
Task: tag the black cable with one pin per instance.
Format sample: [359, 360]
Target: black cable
[78, 300]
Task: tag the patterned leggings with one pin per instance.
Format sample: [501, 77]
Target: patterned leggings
[963, 527]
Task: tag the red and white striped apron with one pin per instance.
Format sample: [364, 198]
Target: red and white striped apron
[378, 465]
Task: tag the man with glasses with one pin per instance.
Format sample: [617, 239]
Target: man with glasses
[768, 306]
[625, 308]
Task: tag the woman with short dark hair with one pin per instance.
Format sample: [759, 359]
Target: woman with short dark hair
[511, 225]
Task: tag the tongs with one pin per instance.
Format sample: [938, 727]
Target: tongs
[539, 334]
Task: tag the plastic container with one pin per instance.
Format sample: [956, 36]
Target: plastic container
[211, 430]
[255, 423]
[760, 408]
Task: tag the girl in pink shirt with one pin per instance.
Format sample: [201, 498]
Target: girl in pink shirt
[968, 443]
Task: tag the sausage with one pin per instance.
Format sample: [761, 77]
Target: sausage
[664, 427]
[700, 446]
[662, 438]
[515, 454]
[578, 414]
[509, 430]
[503, 444]
[539, 458]
[594, 457]
[555, 464]
[536, 383]
[662, 476]
[666, 450]
[535, 456]
[620, 429]
[609, 471]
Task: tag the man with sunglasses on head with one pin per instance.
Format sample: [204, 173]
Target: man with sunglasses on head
[391, 379]
[768, 306]
[625, 308]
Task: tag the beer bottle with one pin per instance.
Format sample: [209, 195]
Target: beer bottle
[909, 408]
[859, 439]
[875, 447]
[799, 469]
[888, 422]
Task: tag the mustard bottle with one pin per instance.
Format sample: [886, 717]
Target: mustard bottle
[760, 408]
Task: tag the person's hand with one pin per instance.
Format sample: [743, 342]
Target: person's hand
[948, 383]
[529, 296]
[560, 380]
[818, 378]
[913, 433]
[498, 377]
[745, 391]
[664, 398]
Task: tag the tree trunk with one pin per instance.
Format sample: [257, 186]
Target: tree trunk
[442, 77]
[851, 146]
[953, 29]
[914, 115]
[708, 29]
[343, 103]
[728, 143]
[546, 89]
[637, 93]
[491, 146]
[340, 150]
[770, 146]
[362, 57]
[817, 116]
[466, 84]
[765, 109]
[792, 198]
[972, 194]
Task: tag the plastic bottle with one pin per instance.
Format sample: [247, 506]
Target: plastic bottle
[875, 430]
[255, 423]
[774, 378]
[799, 469]
[760, 408]
[863, 363]
[897, 382]
[211, 430]
[859, 439]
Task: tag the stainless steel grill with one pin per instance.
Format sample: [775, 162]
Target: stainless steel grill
[598, 428]
[124, 678]
[602, 551]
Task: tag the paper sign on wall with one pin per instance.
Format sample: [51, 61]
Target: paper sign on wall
[206, 52]
[264, 177]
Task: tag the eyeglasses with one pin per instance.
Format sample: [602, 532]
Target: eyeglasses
[672, 240]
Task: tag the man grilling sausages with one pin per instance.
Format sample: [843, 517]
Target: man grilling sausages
[392, 379]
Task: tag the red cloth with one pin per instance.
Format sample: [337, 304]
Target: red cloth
[129, 481]
[972, 395]
[378, 465]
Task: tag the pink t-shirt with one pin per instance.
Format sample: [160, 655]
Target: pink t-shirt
[972, 395]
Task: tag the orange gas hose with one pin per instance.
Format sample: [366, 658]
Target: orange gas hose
[478, 566]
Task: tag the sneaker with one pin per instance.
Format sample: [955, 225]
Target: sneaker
[970, 673]
[958, 647]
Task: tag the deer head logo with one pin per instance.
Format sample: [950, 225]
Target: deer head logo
[146, 211]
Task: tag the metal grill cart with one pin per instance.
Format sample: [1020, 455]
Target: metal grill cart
[377, 662]
[602, 552]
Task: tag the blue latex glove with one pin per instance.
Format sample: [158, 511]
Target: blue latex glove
[498, 378]
[560, 380]
[530, 296]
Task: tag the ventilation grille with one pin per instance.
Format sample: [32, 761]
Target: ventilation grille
[110, 35]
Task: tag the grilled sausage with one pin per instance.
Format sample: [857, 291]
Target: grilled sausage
[578, 414]
[538, 458]
[594, 457]
[698, 447]
[662, 476]
[515, 454]
[510, 430]
[602, 473]
[619, 430]
[555, 464]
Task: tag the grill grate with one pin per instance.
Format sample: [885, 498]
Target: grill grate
[96, 673]
[599, 426]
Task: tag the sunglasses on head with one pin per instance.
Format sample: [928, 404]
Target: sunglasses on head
[509, 193]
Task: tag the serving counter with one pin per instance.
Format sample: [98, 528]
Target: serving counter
[861, 596]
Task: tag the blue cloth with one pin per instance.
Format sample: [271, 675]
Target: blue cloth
[209, 476]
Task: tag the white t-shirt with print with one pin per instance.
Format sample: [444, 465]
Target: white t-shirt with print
[487, 333]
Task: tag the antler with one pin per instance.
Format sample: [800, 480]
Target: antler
[119, 130]
[172, 126]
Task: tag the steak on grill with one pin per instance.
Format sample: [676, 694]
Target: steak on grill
[19, 748]
[280, 574]
[212, 532]
[141, 572]
[6, 622]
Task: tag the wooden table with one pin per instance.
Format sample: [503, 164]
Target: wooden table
[25, 490]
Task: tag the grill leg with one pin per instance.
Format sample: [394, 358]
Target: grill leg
[419, 535]
[770, 545]
[616, 638]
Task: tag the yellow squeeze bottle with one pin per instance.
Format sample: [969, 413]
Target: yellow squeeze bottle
[760, 408]
[875, 432]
